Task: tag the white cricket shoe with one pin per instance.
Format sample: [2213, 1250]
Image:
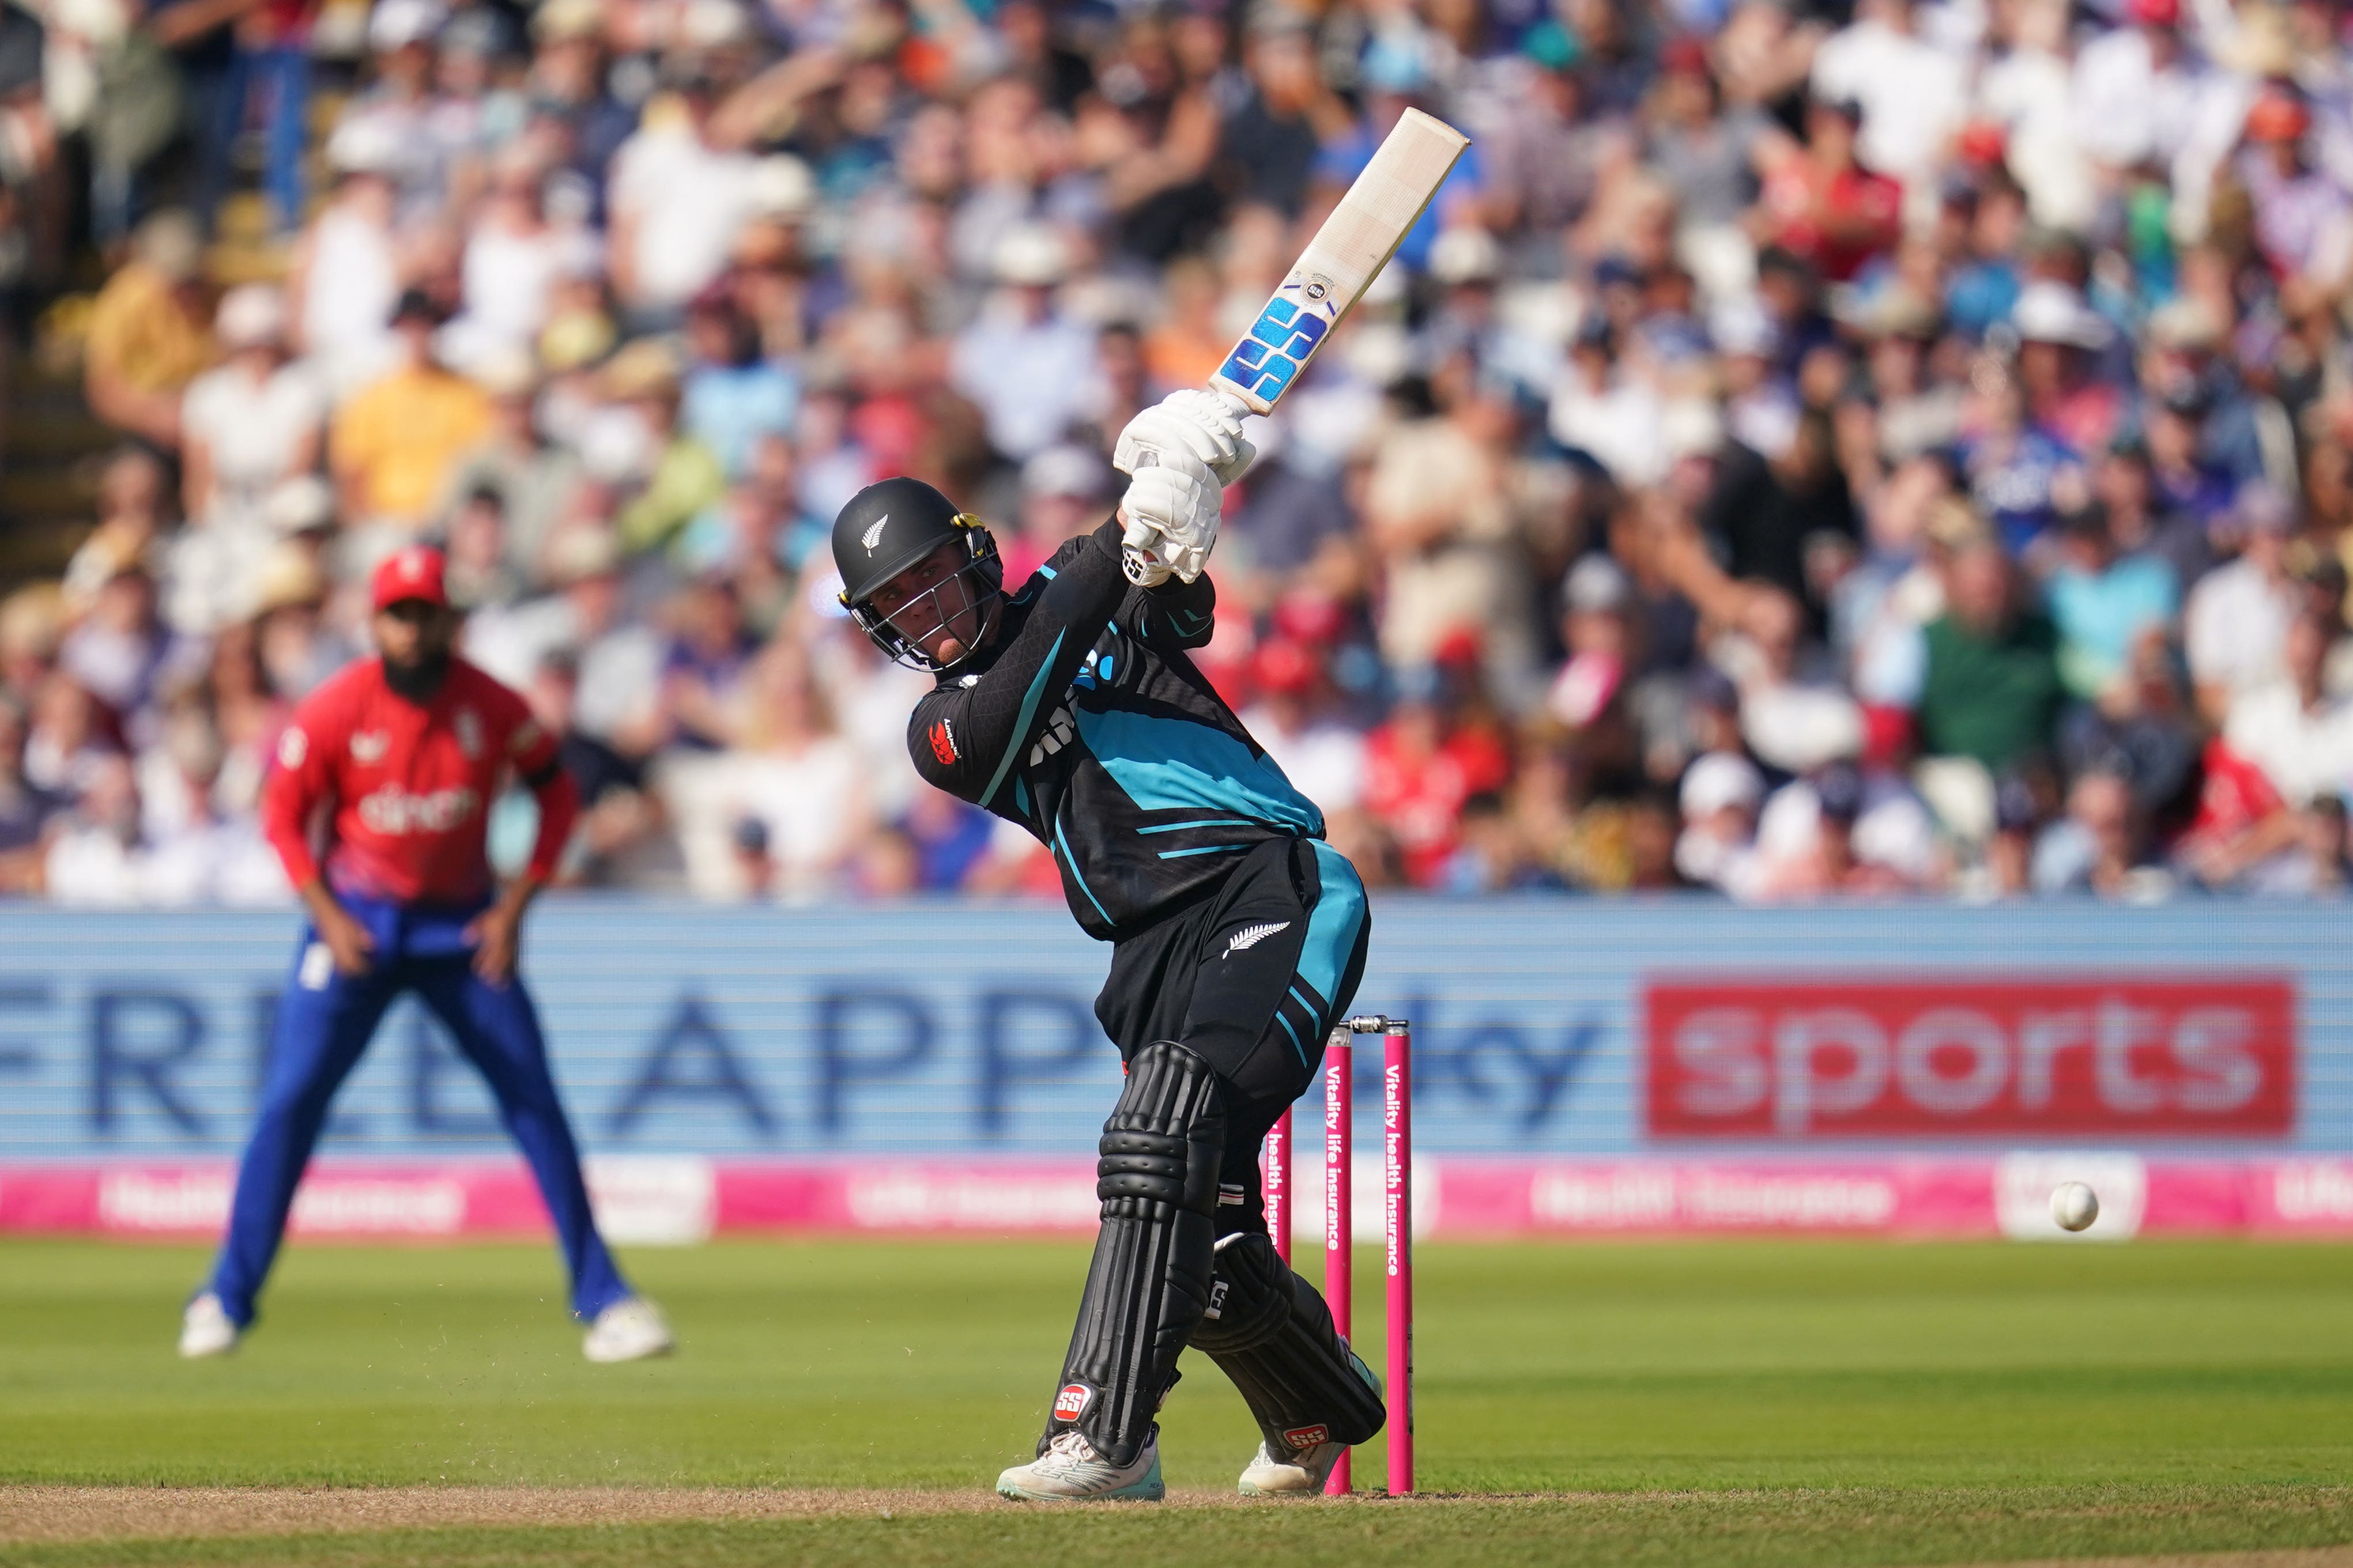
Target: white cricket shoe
[629, 1330]
[1301, 1472]
[206, 1329]
[1295, 1475]
[1071, 1471]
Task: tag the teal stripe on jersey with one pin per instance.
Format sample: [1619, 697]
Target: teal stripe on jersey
[1179, 765]
[1072, 861]
[1021, 724]
[1294, 1035]
[1332, 929]
[1206, 822]
[1205, 849]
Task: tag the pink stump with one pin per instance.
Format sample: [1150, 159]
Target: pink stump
[1338, 1156]
[1396, 1166]
[1276, 1185]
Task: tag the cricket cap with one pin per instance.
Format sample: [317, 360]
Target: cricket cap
[413, 572]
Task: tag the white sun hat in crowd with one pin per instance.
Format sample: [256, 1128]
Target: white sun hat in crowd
[2052, 313]
[251, 316]
[1031, 254]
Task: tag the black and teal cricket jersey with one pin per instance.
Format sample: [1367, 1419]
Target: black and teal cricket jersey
[1087, 723]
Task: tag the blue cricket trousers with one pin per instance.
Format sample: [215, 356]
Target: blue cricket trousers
[324, 1022]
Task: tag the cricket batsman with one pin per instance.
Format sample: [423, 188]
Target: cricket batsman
[1238, 935]
[401, 756]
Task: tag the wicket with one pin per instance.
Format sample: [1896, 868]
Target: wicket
[1396, 1204]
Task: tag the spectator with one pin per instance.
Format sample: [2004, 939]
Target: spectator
[1822, 204]
[2293, 729]
[1296, 719]
[734, 396]
[1720, 797]
[394, 445]
[2099, 847]
[1425, 762]
[1832, 833]
[677, 475]
[1438, 517]
[149, 333]
[1990, 689]
[681, 190]
[1031, 369]
[343, 280]
[2320, 865]
[2235, 624]
[2105, 604]
[252, 422]
[536, 481]
[1953, 385]
[25, 810]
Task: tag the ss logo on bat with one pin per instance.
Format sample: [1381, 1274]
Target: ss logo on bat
[1279, 343]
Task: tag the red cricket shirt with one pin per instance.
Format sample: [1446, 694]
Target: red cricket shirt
[406, 788]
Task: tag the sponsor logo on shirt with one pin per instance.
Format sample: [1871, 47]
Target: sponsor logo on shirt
[368, 746]
[1249, 937]
[1071, 1403]
[392, 811]
[1061, 730]
[944, 744]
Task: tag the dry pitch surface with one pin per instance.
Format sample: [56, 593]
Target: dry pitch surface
[1740, 1405]
[728, 1526]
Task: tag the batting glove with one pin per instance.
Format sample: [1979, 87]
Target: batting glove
[1202, 424]
[1169, 516]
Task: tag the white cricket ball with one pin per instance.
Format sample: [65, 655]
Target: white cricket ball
[2074, 1205]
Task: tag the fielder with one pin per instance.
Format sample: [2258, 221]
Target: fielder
[402, 755]
[1237, 933]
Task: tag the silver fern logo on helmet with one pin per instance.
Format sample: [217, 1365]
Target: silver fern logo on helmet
[873, 536]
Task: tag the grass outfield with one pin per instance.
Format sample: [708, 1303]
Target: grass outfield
[1740, 1402]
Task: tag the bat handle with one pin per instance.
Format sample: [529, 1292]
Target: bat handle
[1233, 397]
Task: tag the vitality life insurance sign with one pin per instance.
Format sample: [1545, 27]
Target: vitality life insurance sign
[1971, 1057]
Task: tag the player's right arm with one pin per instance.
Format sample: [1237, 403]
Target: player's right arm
[968, 739]
[301, 778]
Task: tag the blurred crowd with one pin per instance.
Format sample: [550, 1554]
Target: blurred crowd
[1805, 449]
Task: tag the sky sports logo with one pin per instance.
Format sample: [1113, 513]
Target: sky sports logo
[1740, 1058]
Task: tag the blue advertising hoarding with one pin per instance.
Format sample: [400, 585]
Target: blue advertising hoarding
[967, 1028]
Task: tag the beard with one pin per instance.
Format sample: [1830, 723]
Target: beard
[417, 682]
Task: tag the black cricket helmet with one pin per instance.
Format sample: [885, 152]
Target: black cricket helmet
[897, 524]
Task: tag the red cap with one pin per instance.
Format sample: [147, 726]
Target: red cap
[2278, 116]
[1284, 666]
[1983, 141]
[2155, 13]
[1685, 56]
[413, 572]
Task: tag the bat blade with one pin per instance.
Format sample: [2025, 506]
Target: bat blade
[1354, 243]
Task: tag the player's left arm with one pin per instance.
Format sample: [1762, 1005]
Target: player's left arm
[1175, 615]
[497, 932]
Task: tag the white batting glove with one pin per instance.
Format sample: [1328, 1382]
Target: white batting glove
[1169, 518]
[1202, 424]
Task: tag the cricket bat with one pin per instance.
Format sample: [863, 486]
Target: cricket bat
[1354, 243]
